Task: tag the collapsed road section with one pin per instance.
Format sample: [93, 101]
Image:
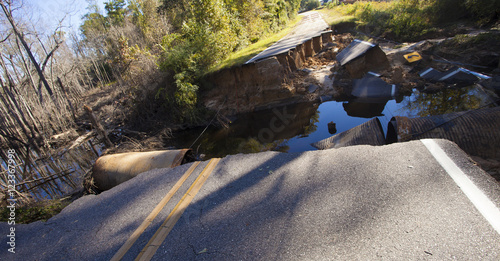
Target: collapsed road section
[311, 26]
[394, 202]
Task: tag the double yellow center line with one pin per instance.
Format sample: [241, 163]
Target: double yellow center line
[155, 242]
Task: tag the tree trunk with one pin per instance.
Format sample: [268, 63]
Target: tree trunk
[67, 98]
[8, 14]
[98, 127]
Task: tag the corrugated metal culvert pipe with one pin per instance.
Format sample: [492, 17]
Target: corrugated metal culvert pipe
[477, 132]
[111, 170]
[368, 133]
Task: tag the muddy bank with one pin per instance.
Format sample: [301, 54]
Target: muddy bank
[310, 71]
[264, 83]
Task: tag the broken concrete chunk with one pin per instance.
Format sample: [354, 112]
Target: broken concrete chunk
[454, 75]
[325, 98]
[360, 57]
[373, 87]
[431, 74]
[355, 50]
[492, 84]
[459, 76]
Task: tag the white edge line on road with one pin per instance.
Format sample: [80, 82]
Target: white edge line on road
[485, 206]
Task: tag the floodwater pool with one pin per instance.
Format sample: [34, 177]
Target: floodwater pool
[292, 128]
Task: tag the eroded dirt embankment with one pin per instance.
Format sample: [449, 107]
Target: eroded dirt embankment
[310, 71]
[263, 83]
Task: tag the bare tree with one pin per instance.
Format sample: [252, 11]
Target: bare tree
[7, 10]
[32, 63]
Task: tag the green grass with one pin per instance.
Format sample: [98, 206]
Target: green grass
[245, 54]
[34, 212]
[333, 17]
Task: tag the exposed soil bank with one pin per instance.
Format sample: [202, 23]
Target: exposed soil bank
[251, 86]
[282, 79]
[310, 72]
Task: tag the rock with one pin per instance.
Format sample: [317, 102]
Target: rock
[332, 127]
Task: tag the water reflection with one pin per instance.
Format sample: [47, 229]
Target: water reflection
[293, 128]
[365, 108]
[255, 132]
[445, 101]
[52, 175]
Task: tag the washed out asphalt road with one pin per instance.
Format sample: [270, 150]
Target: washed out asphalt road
[394, 202]
[312, 25]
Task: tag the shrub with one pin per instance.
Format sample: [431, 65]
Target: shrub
[483, 11]
[411, 19]
[309, 5]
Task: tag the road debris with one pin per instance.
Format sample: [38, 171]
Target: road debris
[360, 57]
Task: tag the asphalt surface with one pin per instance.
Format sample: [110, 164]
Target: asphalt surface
[312, 25]
[393, 202]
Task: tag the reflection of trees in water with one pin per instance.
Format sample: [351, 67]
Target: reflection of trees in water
[252, 145]
[229, 145]
[446, 101]
[312, 127]
[259, 131]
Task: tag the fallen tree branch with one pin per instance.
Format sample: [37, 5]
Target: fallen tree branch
[97, 126]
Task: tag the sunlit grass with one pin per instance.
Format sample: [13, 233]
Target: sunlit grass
[333, 16]
[245, 54]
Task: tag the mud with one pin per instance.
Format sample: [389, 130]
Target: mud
[287, 78]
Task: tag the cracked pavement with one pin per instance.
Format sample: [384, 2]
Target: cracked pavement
[390, 202]
[312, 25]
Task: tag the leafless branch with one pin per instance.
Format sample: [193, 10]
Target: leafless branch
[6, 38]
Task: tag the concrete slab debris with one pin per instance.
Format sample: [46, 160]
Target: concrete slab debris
[361, 57]
[373, 87]
[312, 88]
[453, 75]
[356, 49]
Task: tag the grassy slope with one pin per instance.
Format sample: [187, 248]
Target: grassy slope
[243, 55]
[333, 17]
